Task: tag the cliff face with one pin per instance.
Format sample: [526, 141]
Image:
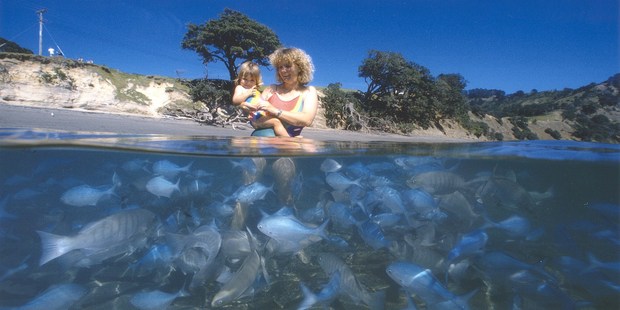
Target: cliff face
[62, 83]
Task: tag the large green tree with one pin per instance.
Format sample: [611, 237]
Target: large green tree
[398, 89]
[233, 38]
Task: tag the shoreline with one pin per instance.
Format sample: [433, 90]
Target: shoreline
[47, 118]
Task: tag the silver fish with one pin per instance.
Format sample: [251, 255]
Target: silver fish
[287, 227]
[169, 169]
[59, 297]
[98, 236]
[155, 300]
[339, 182]
[161, 187]
[86, 195]
[349, 284]
[240, 281]
[437, 182]
[330, 165]
[247, 195]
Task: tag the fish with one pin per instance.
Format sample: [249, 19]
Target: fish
[373, 235]
[505, 193]
[340, 215]
[157, 255]
[349, 285]
[469, 244]
[247, 195]
[98, 236]
[283, 226]
[534, 287]
[339, 182]
[515, 226]
[330, 165]
[327, 294]
[251, 168]
[421, 282]
[169, 169]
[421, 205]
[56, 297]
[4, 214]
[136, 165]
[437, 182]
[155, 300]
[284, 173]
[390, 199]
[86, 195]
[241, 280]
[161, 187]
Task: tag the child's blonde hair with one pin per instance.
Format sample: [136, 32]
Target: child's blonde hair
[249, 69]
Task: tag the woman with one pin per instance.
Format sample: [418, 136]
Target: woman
[291, 102]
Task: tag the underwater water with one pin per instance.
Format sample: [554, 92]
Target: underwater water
[155, 222]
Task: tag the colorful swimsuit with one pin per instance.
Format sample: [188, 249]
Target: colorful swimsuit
[294, 105]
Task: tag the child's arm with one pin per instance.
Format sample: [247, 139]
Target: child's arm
[241, 94]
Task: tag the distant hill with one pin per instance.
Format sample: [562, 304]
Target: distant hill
[588, 113]
[7, 46]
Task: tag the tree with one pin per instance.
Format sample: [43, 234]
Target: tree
[232, 39]
[398, 90]
[452, 100]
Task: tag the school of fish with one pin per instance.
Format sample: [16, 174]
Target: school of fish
[397, 232]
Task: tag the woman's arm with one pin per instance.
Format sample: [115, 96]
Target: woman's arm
[302, 118]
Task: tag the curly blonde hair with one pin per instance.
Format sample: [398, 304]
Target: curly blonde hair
[292, 55]
[249, 69]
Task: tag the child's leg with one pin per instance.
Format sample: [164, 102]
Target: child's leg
[279, 129]
[274, 123]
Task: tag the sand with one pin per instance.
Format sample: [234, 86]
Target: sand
[12, 116]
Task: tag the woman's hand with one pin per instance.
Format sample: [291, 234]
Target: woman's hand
[267, 107]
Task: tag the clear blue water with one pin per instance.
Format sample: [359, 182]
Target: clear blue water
[533, 225]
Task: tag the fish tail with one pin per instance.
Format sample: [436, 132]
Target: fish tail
[52, 246]
[322, 230]
[186, 168]
[376, 300]
[309, 298]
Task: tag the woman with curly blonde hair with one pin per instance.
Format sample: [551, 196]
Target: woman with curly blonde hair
[292, 101]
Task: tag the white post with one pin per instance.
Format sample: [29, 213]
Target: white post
[40, 12]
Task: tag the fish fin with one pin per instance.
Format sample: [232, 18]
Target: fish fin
[376, 300]
[52, 246]
[116, 180]
[322, 231]
[309, 298]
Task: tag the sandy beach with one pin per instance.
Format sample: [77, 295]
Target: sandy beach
[12, 116]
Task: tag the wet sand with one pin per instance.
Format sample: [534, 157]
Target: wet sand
[12, 116]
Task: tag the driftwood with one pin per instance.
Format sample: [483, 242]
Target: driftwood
[218, 116]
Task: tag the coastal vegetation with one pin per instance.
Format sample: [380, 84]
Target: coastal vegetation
[401, 96]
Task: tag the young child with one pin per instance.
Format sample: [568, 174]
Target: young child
[247, 96]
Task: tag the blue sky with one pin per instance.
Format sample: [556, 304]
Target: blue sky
[499, 44]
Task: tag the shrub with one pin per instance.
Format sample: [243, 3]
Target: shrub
[553, 133]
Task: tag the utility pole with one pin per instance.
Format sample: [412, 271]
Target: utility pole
[40, 12]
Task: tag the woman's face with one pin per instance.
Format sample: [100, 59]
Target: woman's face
[288, 73]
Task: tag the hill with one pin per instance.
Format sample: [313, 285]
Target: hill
[589, 113]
